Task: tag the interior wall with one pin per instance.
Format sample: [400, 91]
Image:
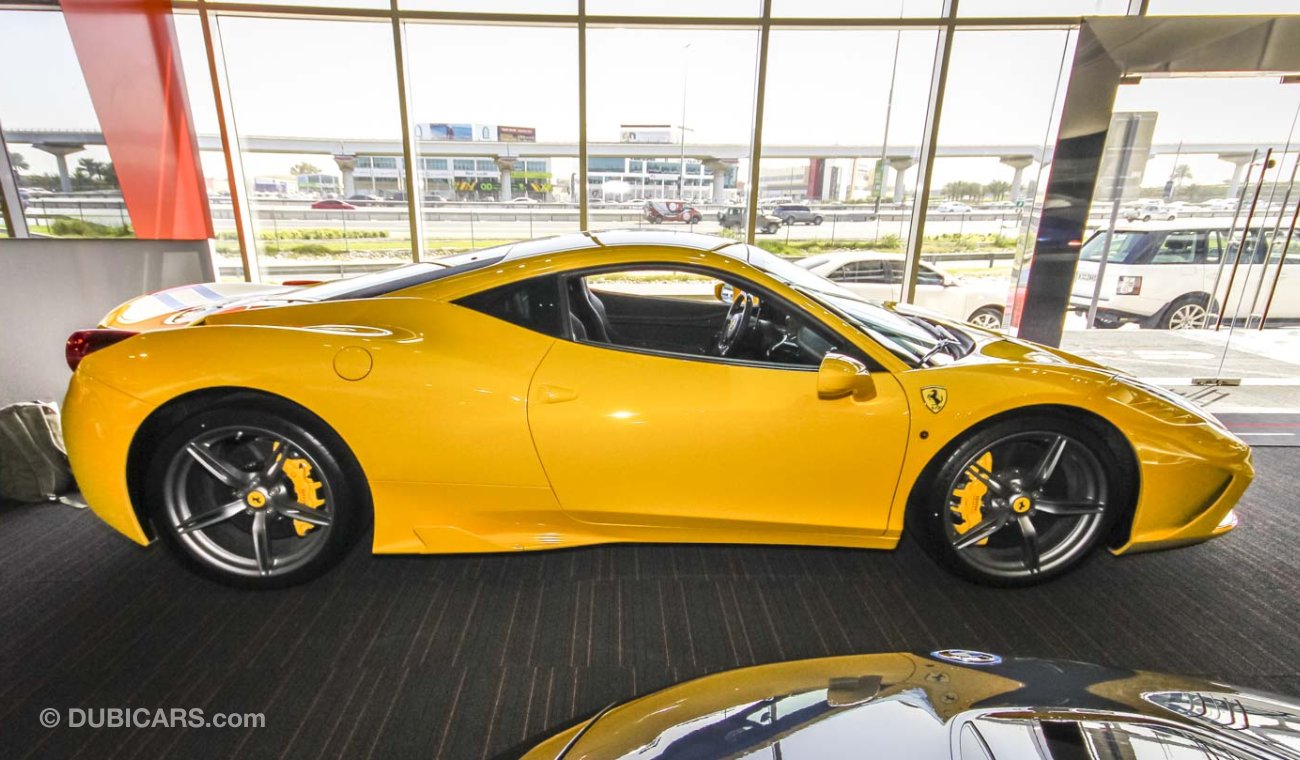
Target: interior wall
[49, 289]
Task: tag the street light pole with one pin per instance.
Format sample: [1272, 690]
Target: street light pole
[681, 166]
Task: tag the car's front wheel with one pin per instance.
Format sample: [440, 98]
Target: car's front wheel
[988, 317]
[257, 495]
[1019, 502]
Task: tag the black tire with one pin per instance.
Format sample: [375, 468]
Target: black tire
[817, 220]
[1146, 217]
[771, 229]
[175, 490]
[1061, 542]
[1190, 312]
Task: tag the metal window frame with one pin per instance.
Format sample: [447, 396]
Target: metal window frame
[11, 203]
[947, 23]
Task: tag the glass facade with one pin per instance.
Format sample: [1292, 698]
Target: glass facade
[64, 173]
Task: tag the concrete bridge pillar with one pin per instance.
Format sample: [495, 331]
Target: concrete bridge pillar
[900, 165]
[1019, 163]
[347, 165]
[61, 151]
[1239, 161]
[719, 170]
[507, 165]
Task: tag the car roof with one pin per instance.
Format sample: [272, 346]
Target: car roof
[1186, 224]
[843, 257]
[580, 241]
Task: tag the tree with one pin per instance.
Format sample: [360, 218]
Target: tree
[997, 189]
[304, 168]
[962, 190]
[1181, 174]
[18, 162]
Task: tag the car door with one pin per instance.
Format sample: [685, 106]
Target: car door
[636, 436]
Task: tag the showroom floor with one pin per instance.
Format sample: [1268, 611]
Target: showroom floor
[464, 657]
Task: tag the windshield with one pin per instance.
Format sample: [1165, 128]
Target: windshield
[910, 338]
[1123, 246]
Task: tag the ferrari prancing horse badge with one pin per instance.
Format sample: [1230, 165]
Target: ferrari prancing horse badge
[934, 397]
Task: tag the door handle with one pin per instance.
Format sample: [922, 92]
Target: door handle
[555, 394]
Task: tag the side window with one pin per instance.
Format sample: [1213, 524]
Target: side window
[678, 312]
[1176, 248]
[533, 304]
[927, 276]
[1213, 247]
[871, 270]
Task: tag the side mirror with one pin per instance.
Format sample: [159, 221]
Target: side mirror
[840, 376]
[724, 292]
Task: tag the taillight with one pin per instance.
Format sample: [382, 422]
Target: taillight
[1129, 286]
[85, 342]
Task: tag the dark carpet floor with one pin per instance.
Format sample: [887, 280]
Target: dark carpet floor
[466, 657]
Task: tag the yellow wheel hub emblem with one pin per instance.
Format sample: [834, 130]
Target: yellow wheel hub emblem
[304, 488]
[256, 499]
[1021, 505]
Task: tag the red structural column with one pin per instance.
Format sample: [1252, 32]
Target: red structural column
[128, 53]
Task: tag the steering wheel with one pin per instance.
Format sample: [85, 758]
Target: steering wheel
[736, 323]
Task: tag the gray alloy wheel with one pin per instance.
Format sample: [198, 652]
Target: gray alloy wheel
[987, 317]
[1187, 315]
[1028, 504]
[230, 502]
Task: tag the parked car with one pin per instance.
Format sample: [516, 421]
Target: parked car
[1147, 212]
[1222, 204]
[333, 204]
[659, 211]
[1162, 275]
[953, 207]
[734, 218]
[367, 197]
[559, 401]
[525, 199]
[794, 214]
[876, 275]
[949, 704]
[434, 199]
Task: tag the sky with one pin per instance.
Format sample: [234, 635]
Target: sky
[336, 79]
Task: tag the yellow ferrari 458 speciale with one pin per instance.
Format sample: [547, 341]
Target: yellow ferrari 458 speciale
[620, 386]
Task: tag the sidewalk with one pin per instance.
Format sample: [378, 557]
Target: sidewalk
[1267, 362]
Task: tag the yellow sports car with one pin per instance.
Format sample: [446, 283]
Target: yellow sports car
[620, 386]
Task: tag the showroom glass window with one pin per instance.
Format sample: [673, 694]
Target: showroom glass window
[487, 98]
[853, 132]
[995, 138]
[301, 130]
[659, 95]
[65, 173]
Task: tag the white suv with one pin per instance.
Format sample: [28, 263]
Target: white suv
[1162, 275]
[876, 275]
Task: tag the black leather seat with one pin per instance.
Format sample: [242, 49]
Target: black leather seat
[588, 311]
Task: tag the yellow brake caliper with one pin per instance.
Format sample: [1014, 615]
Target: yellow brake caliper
[299, 473]
[970, 498]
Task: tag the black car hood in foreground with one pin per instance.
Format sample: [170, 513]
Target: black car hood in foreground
[951, 704]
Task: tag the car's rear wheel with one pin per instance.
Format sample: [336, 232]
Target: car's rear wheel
[988, 317]
[1019, 502]
[256, 495]
[1187, 313]
[817, 220]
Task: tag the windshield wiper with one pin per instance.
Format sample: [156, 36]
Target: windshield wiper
[943, 345]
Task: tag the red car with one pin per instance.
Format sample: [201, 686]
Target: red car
[333, 204]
